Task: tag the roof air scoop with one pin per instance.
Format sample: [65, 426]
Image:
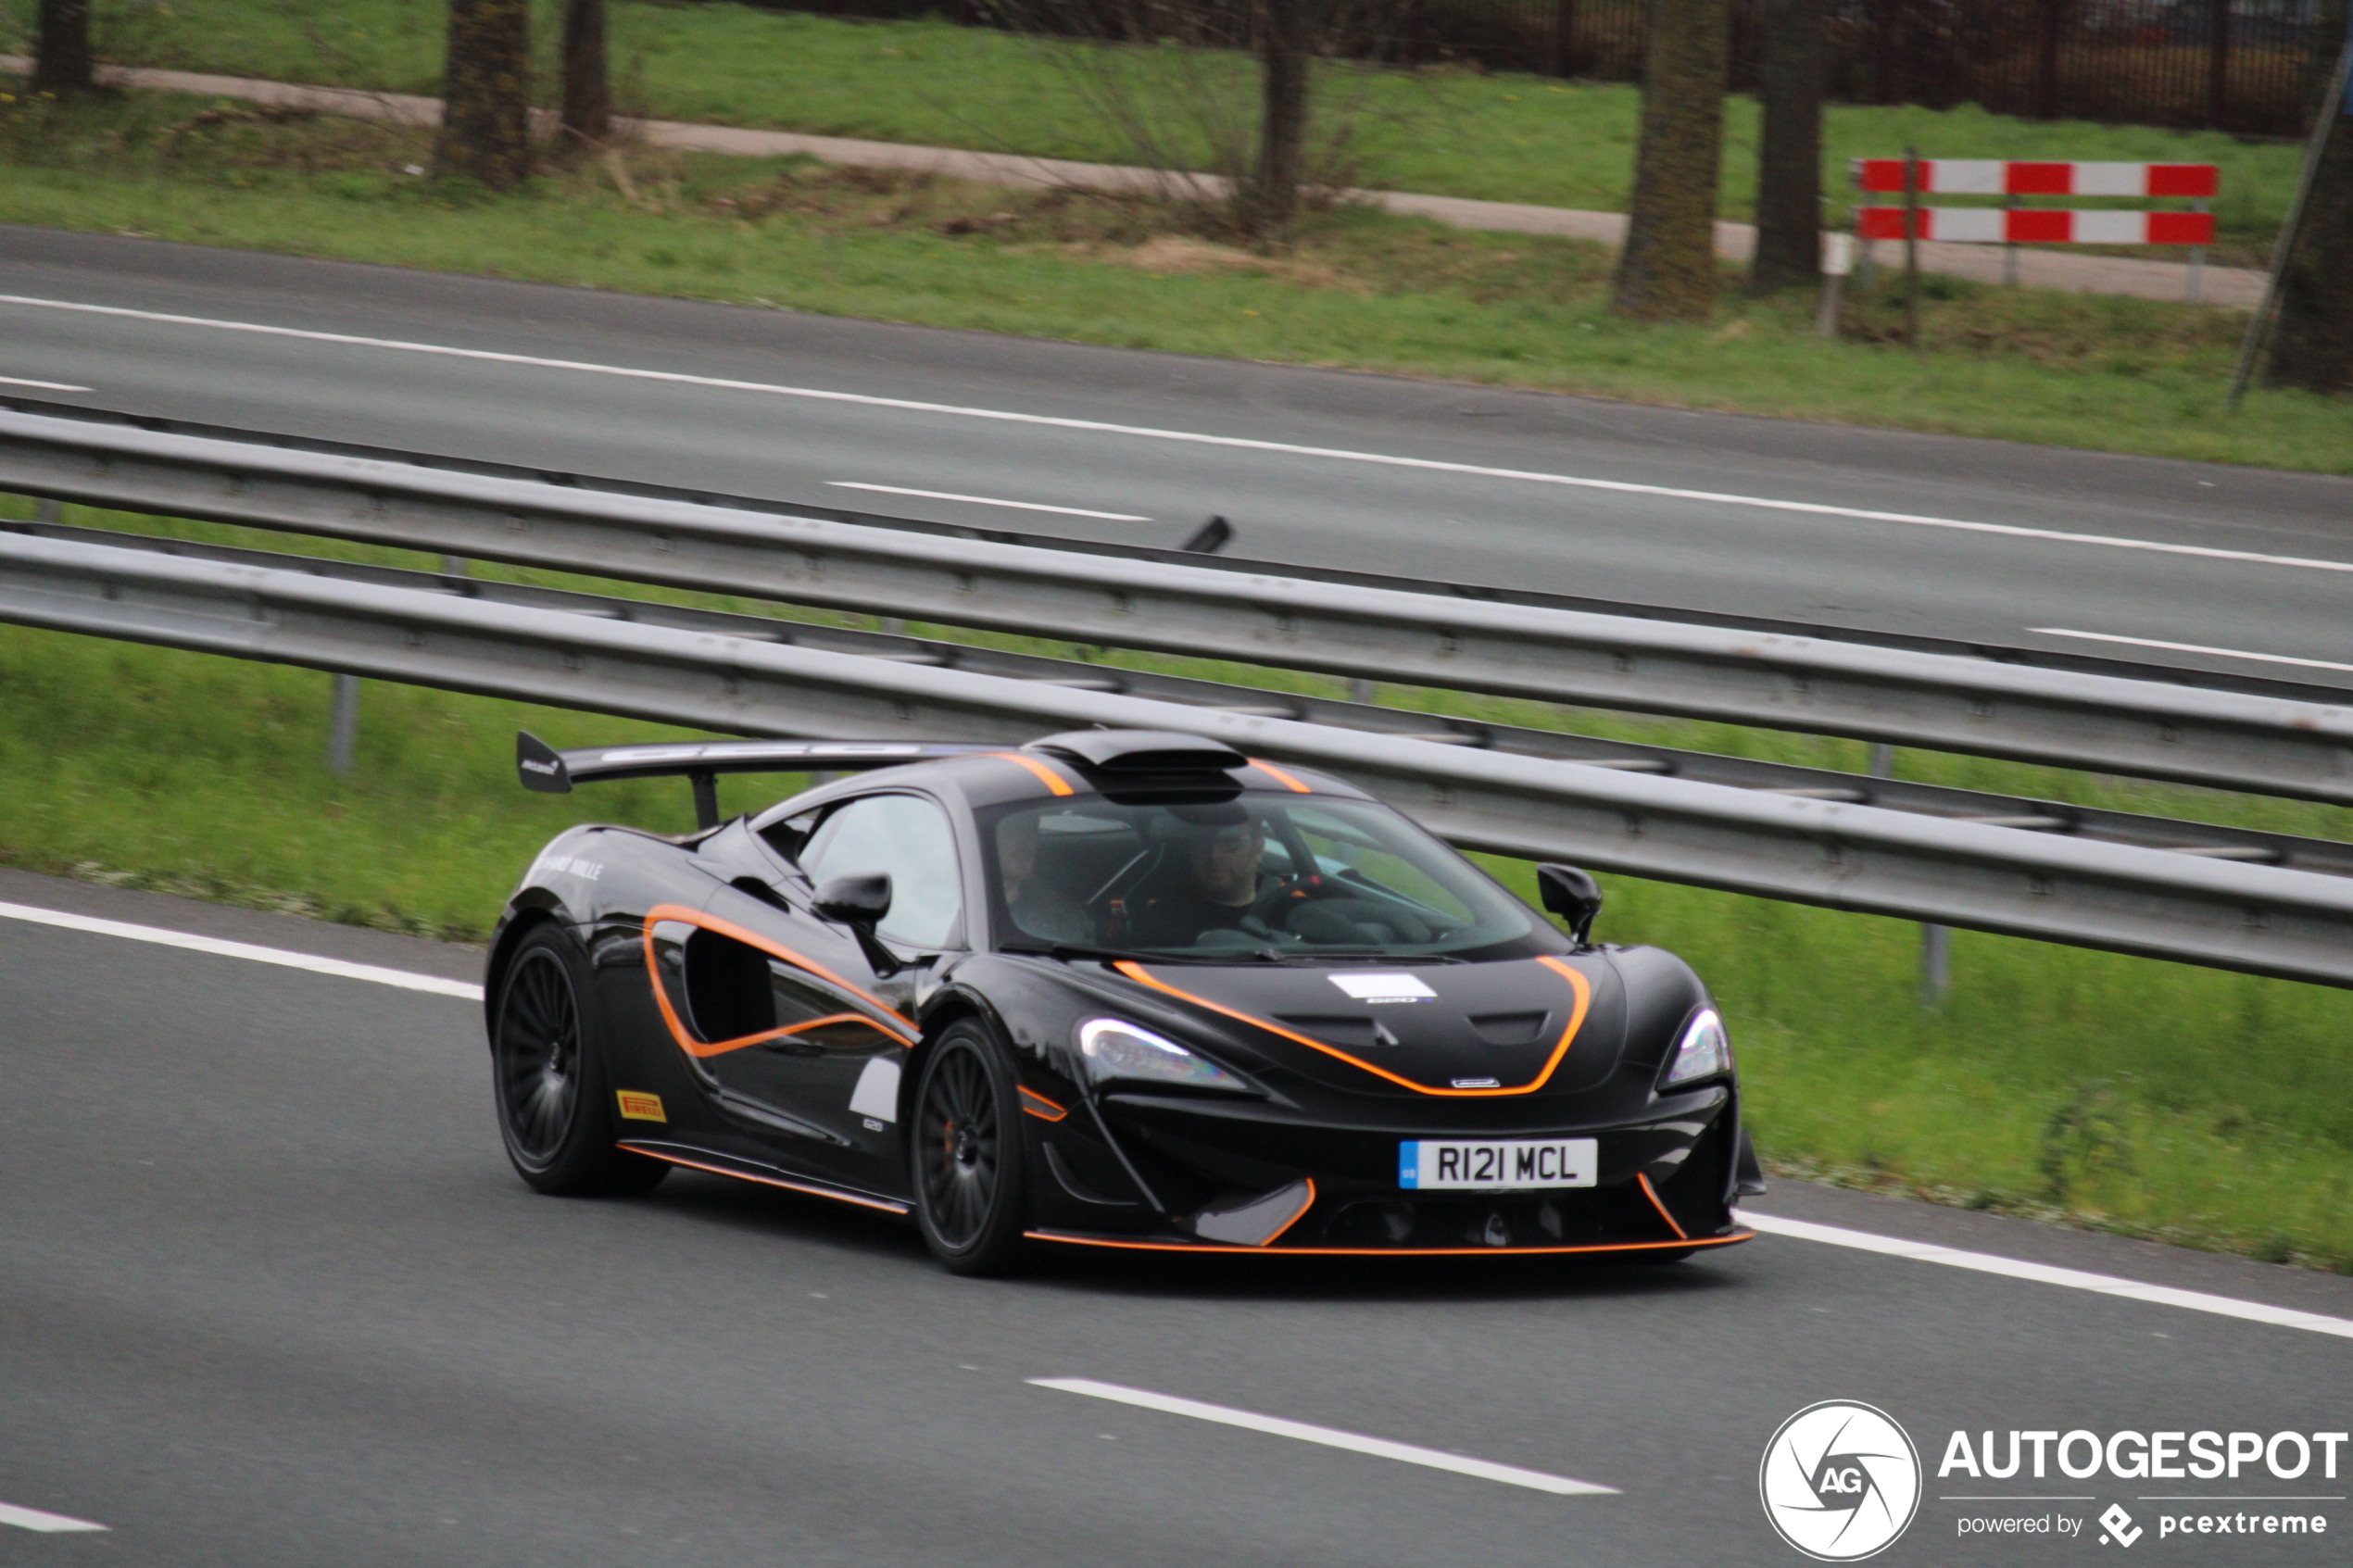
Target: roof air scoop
[1158, 752]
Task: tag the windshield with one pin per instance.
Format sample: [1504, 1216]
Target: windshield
[1257, 876]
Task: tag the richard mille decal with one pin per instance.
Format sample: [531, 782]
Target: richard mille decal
[560, 865]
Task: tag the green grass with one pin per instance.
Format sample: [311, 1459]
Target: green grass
[2150, 1099]
[1500, 137]
[1360, 290]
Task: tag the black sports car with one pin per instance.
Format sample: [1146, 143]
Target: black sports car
[1110, 989]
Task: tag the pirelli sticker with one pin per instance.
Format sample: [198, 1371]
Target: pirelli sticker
[636, 1106]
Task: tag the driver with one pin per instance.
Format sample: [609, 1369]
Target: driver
[1037, 907]
[1209, 882]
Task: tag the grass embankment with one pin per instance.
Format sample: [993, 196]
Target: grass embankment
[1454, 132]
[1360, 290]
[2151, 1098]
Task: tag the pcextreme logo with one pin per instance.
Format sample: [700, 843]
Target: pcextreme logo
[1841, 1481]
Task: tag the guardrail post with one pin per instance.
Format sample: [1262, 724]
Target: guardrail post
[1364, 691]
[453, 566]
[1936, 941]
[46, 509]
[343, 725]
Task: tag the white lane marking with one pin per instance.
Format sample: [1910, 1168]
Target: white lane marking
[2190, 648]
[2045, 1273]
[44, 385]
[986, 501]
[284, 957]
[47, 1523]
[1812, 508]
[1510, 1474]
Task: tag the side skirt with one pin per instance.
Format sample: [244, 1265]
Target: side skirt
[743, 1170]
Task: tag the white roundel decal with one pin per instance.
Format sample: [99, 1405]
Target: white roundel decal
[1840, 1481]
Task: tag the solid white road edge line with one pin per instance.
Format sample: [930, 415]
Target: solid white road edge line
[1815, 509]
[44, 385]
[2046, 1273]
[47, 1523]
[986, 501]
[1510, 1474]
[283, 957]
[2189, 647]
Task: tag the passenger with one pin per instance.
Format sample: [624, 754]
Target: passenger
[1208, 882]
[1040, 909]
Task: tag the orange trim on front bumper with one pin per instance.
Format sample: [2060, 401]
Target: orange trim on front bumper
[1651, 1193]
[1072, 1240]
[1581, 988]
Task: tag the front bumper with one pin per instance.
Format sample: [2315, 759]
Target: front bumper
[1169, 1173]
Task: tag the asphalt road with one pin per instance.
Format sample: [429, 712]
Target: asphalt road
[1492, 510]
[271, 1297]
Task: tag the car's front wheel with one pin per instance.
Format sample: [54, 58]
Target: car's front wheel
[970, 1197]
[553, 1091]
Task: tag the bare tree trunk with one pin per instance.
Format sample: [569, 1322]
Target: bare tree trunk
[1789, 156]
[1668, 267]
[1272, 200]
[485, 120]
[2312, 346]
[61, 60]
[588, 114]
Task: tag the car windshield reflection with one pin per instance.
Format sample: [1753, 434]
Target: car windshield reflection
[1252, 877]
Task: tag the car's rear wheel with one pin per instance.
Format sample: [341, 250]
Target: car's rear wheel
[970, 1195]
[553, 1090]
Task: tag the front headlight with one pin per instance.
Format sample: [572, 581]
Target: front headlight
[1114, 1049]
[1704, 1052]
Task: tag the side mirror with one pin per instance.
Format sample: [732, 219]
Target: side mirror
[1571, 893]
[860, 903]
[854, 900]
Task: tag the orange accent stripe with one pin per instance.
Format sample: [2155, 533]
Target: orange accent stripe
[1052, 780]
[1295, 1218]
[694, 1047]
[1286, 779]
[1071, 1240]
[887, 1208]
[1037, 1105]
[1578, 985]
[1651, 1193]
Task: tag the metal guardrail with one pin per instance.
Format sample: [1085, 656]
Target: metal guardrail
[2151, 729]
[2325, 855]
[2257, 919]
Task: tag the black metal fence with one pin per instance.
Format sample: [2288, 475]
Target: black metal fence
[2246, 66]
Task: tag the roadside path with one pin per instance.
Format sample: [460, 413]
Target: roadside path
[2036, 269]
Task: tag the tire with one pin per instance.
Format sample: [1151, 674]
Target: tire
[972, 1189]
[553, 1091]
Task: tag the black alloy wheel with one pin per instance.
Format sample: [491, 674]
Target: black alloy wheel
[969, 1195]
[554, 1105]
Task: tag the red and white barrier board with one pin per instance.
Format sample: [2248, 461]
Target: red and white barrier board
[1993, 177]
[2009, 225]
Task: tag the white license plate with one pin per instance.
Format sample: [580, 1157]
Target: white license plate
[1495, 1167]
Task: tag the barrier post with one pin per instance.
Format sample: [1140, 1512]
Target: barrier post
[2009, 246]
[1838, 259]
[343, 725]
[1912, 247]
[2196, 285]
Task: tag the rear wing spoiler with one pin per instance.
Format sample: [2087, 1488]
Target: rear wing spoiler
[543, 768]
